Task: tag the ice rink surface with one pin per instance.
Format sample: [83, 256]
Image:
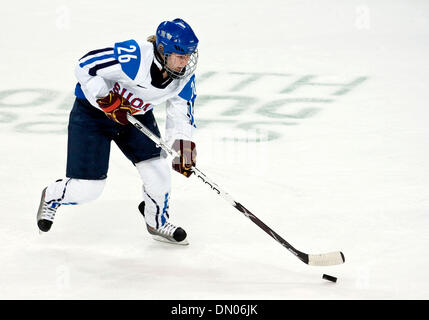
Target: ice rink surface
[311, 114]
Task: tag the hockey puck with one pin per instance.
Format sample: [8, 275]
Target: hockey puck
[330, 278]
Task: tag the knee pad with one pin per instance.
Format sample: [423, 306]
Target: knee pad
[156, 175]
[75, 191]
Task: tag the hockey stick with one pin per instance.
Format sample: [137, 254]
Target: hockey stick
[324, 259]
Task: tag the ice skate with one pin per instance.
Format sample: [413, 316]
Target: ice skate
[167, 233]
[46, 213]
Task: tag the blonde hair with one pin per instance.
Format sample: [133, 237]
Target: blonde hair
[152, 38]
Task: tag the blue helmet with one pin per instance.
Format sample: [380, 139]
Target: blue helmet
[177, 37]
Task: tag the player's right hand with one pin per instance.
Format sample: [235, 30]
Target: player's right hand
[115, 107]
[187, 151]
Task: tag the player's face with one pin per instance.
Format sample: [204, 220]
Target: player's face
[177, 62]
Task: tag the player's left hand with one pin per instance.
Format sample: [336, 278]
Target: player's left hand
[115, 107]
[188, 157]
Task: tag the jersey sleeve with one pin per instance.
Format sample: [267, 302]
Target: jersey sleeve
[98, 70]
[180, 122]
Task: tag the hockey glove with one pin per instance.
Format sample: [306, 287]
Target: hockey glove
[188, 157]
[115, 107]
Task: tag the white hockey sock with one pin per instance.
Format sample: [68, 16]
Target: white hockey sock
[155, 174]
[74, 191]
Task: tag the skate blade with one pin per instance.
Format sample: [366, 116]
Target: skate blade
[162, 239]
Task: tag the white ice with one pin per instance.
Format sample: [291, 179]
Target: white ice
[330, 170]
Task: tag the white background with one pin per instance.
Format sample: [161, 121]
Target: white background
[351, 177]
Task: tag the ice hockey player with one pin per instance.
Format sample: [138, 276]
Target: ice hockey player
[130, 77]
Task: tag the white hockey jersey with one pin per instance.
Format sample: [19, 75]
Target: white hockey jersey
[126, 70]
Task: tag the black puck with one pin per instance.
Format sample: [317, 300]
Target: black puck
[330, 278]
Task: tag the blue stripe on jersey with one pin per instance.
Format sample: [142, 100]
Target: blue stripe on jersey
[94, 69]
[191, 114]
[188, 92]
[78, 92]
[128, 55]
[89, 61]
[95, 52]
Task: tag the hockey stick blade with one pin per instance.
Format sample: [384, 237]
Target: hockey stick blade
[326, 259]
[323, 259]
